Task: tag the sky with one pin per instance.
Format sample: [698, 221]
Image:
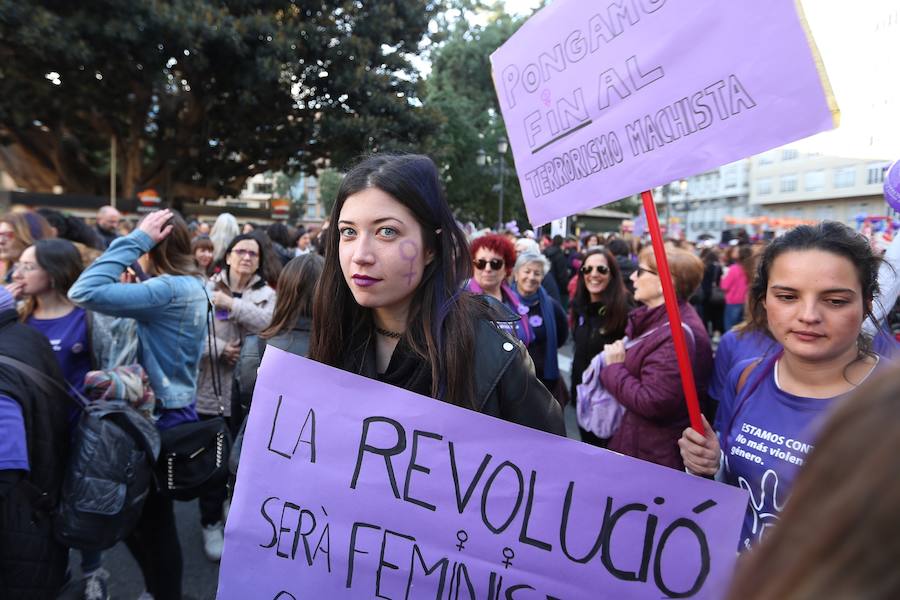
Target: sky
[859, 42]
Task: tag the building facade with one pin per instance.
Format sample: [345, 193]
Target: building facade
[702, 205]
[789, 184]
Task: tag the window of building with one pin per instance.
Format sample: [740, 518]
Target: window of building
[875, 173]
[262, 188]
[825, 213]
[764, 186]
[767, 158]
[730, 179]
[787, 183]
[789, 154]
[844, 177]
[814, 180]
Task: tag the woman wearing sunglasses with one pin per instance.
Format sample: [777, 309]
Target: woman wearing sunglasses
[645, 379]
[494, 258]
[600, 309]
[390, 306]
[244, 305]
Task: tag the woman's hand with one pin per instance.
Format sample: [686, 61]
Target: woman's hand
[15, 289]
[700, 453]
[222, 300]
[157, 225]
[614, 353]
[232, 352]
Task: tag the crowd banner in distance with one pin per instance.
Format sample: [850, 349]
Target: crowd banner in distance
[606, 99]
[352, 488]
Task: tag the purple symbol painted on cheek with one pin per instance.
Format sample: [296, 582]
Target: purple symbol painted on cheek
[409, 251]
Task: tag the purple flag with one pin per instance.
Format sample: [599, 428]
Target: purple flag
[602, 100]
[351, 488]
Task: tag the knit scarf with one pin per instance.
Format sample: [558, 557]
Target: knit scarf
[551, 362]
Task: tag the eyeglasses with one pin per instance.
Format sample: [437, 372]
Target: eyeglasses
[496, 263]
[642, 270]
[251, 254]
[7, 235]
[601, 269]
[25, 267]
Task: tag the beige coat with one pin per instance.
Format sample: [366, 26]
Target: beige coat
[252, 313]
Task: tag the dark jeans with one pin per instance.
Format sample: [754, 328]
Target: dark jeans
[154, 545]
[211, 502]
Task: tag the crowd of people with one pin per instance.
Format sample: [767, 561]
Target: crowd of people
[780, 333]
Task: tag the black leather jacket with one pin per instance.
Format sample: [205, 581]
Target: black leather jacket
[505, 382]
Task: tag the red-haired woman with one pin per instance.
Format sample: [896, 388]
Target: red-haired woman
[493, 258]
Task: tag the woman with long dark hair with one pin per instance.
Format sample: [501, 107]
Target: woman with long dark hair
[44, 274]
[390, 303]
[814, 287]
[599, 313]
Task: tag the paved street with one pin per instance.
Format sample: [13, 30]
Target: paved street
[126, 583]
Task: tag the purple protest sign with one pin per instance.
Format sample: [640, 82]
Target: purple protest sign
[602, 100]
[351, 488]
[892, 186]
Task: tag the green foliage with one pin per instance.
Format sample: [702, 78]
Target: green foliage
[201, 94]
[460, 89]
[329, 182]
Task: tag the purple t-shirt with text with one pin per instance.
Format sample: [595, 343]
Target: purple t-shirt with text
[766, 434]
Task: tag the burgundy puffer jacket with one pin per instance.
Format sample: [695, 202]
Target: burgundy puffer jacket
[648, 385]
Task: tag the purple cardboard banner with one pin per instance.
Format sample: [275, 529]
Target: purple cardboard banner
[351, 488]
[606, 99]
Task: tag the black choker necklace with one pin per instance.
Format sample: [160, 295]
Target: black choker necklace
[390, 334]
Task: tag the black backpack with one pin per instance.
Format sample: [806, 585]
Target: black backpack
[110, 470]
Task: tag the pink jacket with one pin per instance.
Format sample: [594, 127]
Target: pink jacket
[735, 284]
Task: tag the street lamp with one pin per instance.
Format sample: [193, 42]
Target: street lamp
[481, 160]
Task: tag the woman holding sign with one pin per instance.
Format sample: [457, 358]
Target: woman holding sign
[390, 304]
[814, 288]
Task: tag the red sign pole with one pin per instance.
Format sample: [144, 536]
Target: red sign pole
[665, 277]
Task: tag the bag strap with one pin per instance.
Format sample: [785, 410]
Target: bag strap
[213, 354]
[44, 382]
[743, 392]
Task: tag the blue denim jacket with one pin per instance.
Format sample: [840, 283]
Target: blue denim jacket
[170, 311]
